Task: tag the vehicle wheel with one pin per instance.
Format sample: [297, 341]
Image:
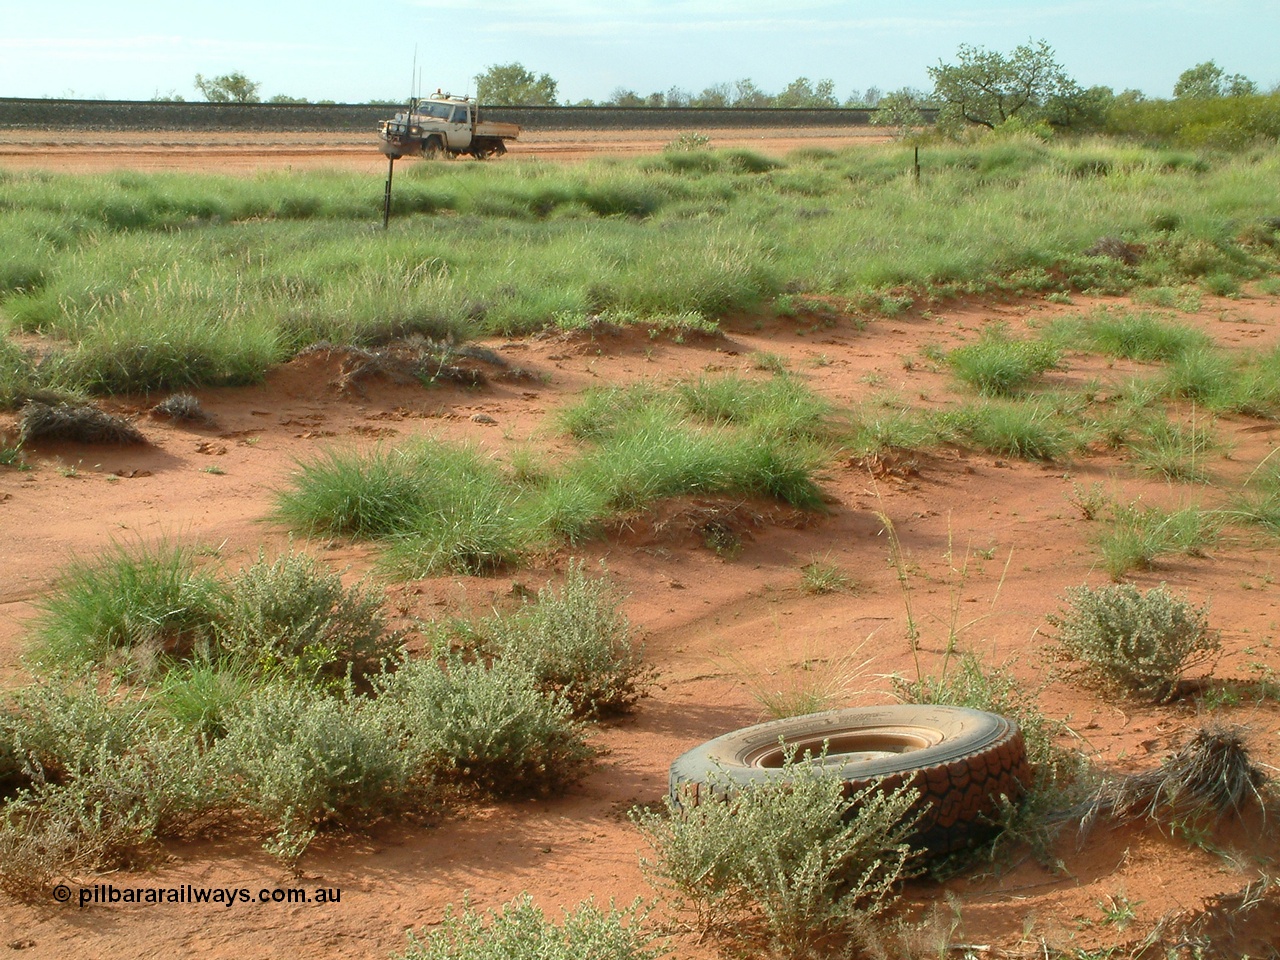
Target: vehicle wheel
[433, 148]
[486, 147]
[962, 761]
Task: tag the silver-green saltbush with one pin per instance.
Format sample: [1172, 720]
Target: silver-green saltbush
[293, 616]
[485, 726]
[1132, 642]
[304, 760]
[98, 781]
[520, 931]
[792, 858]
[575, 641]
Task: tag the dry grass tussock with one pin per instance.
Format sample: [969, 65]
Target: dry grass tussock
[76, 423]
[1210, 776]
[408, 361]
[184, 408]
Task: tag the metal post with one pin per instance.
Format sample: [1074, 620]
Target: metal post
[917, 167]
[386, 200]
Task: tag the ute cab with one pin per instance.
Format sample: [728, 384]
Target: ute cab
[444, 126]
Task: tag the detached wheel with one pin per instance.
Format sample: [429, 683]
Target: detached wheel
[962, 761]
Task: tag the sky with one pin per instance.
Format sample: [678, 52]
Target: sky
[354, 51]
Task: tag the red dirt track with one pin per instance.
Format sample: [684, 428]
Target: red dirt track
[81, 152]
[992, 545]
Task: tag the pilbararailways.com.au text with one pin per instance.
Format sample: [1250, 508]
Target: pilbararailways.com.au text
[108, 894]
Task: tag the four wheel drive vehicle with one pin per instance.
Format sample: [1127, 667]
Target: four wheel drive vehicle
[444, 126]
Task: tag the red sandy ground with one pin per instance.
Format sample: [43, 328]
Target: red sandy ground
[992, 545]
[242, 152]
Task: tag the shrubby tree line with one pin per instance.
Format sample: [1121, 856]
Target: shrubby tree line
[512, 84]
[1028, 91]
[1024, 90]
[232, 87]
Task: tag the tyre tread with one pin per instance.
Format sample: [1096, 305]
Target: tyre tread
[960, 796]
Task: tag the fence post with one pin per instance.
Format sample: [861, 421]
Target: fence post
[386, 199]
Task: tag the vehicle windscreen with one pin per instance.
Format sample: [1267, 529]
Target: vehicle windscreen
[440, 111]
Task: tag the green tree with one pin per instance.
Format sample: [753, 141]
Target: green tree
[679, 97]
[747, 94]
[1086, 110]
[511, 84]
[901, 111]
[228, 88]
[717, 95]
[1207, 80]
[987, 88]
[801, 93]
[624, 97]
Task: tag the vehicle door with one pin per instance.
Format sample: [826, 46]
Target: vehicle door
[459, 126]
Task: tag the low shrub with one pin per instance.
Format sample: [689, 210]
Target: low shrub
[108, 819]
[575, 642]
[488, 727]
[104, 783]
[520, 931]
[292, 616]
[56, 730]
[792, 859]
[1135, 643]
[304, 760]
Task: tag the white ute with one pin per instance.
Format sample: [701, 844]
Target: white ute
[444, 126]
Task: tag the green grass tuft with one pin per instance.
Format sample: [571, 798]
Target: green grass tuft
[999, 366]
[132, 606]
[1119, 333]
